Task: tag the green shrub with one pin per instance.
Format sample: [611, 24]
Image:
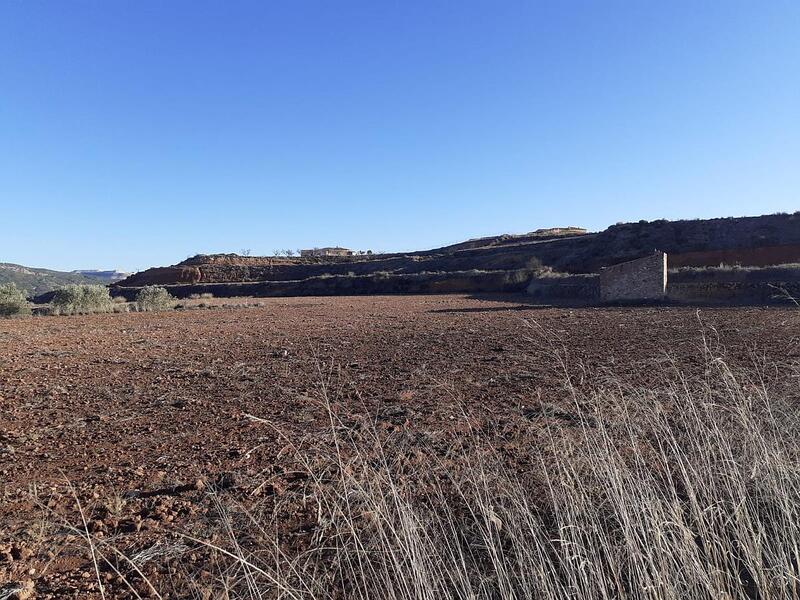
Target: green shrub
[74, 298]
[13, 301]
[154, 298]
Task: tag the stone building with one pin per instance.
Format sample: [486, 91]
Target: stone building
[331, 251]
[642, 279]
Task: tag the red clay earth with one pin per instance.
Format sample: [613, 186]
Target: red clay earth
[138, 415]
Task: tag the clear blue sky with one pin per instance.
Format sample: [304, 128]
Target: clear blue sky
[135, 133]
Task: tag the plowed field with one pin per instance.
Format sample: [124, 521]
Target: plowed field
[148, 419]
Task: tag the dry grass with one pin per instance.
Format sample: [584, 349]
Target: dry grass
[688, 489]
[784, 294]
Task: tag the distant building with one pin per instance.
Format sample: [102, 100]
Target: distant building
[642, 279]
[335, 251]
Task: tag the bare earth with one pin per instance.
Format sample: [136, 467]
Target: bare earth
[139, 416]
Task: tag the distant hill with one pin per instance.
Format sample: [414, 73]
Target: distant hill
[103, 276]
[756, 241]
[39, 281]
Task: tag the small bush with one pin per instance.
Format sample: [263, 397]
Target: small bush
[73, 298]
[517, 276]
[203, 296]
[534, 264]
[13, 301]
[154, 297]
[533, 268]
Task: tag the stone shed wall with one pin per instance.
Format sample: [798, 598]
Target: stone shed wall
[635, 280]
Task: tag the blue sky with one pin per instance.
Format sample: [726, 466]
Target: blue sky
[136, 133]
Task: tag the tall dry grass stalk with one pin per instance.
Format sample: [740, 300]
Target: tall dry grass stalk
[689, 489]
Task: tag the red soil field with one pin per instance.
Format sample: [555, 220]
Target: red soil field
[139, 415]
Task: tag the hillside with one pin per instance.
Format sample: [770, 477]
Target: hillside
[39, 281]
[104, 277]
[760, 241]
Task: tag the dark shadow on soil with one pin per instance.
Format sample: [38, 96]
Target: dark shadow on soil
[525, 302]
[489, 309]
[518, 302]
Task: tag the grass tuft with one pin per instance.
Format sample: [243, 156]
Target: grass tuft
[688, 489]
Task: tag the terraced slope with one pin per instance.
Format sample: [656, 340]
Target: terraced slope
[746, 241]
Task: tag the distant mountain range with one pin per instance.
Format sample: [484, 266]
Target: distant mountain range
[38, 281]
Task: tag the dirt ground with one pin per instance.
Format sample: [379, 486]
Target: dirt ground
[140, 416]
